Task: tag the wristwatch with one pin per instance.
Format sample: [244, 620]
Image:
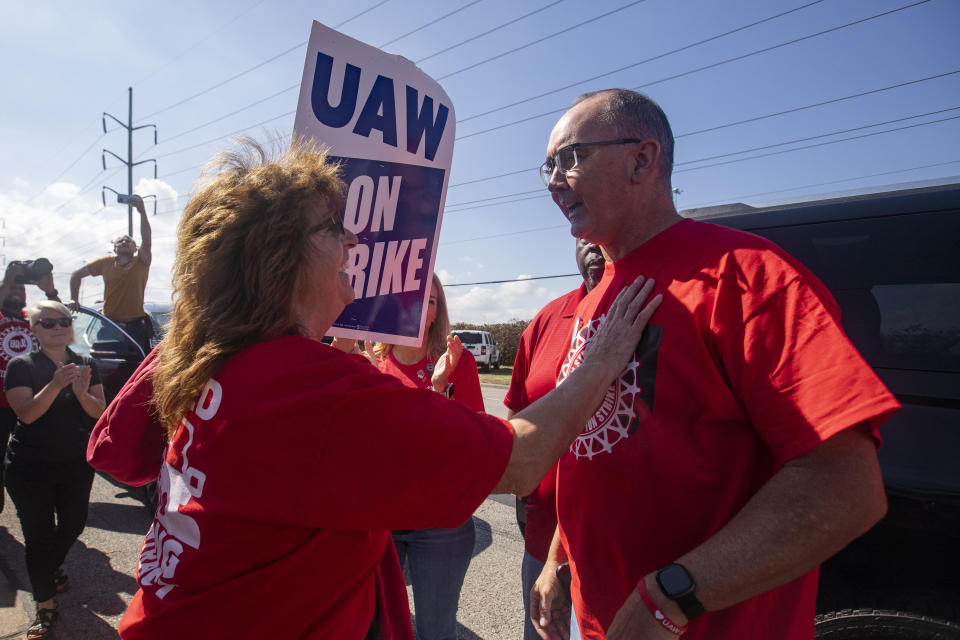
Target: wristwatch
[678, 585]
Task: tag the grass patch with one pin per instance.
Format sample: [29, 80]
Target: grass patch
[500, 376]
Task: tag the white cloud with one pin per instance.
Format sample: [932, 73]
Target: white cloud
[519, 299]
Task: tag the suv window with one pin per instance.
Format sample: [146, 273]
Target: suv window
[899, 300]
[469, 337]
[90, 330]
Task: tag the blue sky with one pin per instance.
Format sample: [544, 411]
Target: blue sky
[510, 69]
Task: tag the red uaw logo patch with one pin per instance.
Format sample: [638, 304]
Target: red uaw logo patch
[16, 339]
[615, 418]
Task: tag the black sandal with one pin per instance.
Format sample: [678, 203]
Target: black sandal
[42, 626]
[61, 581]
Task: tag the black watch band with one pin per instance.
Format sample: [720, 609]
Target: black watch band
[678, 585]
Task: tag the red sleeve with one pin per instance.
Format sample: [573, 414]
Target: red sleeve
[785, 363]
[127, 442]
[388, 456]
[516, 398]
[466, 382]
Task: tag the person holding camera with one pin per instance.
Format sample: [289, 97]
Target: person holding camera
[124, 280]
[16, 338]
[57, 396]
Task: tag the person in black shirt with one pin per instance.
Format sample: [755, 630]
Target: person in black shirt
[57, 397]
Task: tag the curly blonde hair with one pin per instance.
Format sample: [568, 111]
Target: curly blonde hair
[241, 245]
[436, 334]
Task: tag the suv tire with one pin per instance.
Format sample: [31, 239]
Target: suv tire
[880, 624]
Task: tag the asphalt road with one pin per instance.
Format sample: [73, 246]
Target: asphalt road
[102, 566]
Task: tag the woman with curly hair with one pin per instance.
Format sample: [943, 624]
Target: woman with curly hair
[284, 463]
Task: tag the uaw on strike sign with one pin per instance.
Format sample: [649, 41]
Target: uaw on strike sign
[392, 127]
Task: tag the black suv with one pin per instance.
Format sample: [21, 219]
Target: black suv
[892, 261]
[117, 356]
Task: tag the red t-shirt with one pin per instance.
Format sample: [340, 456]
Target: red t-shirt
[744, 367]
[542, 347]
[279, 490]
[465, 380]
[16, 339]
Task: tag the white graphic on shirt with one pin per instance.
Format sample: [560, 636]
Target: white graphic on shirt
[16, 339]
[613, 419]
[172, 529]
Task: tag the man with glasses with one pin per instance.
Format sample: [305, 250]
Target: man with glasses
[124, 281]
[737, 450]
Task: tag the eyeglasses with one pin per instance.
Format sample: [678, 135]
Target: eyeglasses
[566, 158]
[50, 323]
[333, 224]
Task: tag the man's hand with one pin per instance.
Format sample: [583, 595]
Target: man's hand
[137, 203]
[46, 283]
[447, 363]
[550, 606]
[73, 305]
[635, 622]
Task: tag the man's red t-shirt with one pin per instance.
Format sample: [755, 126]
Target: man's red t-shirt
[744, 367]
[465, 380]
[16, 339]
[279, 490]
[542, 347]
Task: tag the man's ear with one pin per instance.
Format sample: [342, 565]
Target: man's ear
[645, 158]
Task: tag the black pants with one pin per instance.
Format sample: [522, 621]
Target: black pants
[52, 509]
[140, 329]
[8, 420]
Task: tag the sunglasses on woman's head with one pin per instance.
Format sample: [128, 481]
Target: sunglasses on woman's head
[50, 323]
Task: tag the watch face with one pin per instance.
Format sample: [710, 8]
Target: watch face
[675, 580]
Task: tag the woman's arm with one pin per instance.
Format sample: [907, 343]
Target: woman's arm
[30, 407]
[544, 430]
[92, 400]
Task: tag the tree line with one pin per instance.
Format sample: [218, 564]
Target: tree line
[506, 334]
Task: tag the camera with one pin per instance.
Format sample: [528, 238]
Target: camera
[33, 270]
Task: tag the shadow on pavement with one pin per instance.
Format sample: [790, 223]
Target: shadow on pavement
[120, 518]
[11, 559]
[94, 591]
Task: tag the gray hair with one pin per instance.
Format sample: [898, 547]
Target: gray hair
[635, 115]
[50, 305]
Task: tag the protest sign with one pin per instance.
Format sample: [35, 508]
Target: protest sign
[392, 127]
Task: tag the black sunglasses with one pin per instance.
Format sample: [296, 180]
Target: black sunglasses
[50, 323]
[333, 224]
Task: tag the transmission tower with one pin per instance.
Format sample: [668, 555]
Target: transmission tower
[129, 161]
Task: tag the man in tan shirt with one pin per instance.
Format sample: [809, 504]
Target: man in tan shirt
[124, 281]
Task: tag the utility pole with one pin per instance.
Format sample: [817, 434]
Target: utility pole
[129, 161]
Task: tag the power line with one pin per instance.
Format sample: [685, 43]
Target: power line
[637, 64]
[470, 284]
[539, 40]
[819, 144]
[488, 32]
[705, 67]
[746, 121]
[504, 235]
[428, 24]
[257, 66]
[822, 135]
[70, 166]
[822, 184]
[199, 42]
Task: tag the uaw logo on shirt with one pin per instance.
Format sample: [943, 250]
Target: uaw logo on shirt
[617, 416]
[16, 339]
